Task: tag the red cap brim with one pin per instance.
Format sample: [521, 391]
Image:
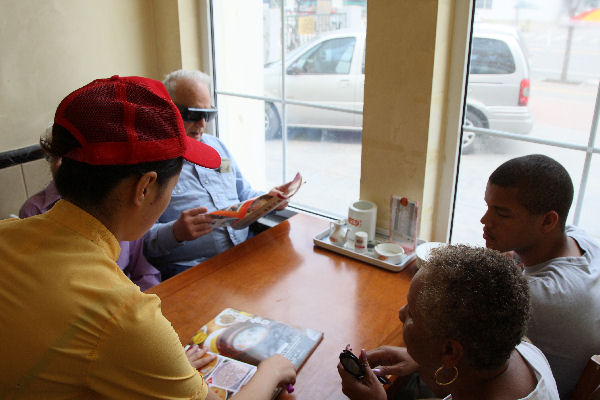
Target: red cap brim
[201, 154]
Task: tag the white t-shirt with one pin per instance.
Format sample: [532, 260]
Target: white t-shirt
[546, 386]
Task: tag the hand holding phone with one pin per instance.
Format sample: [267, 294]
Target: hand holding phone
[354, 367]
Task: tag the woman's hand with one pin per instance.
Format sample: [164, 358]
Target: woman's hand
[273, 372]
[368, 388]
[279, 367]
[391, 360]
[198, 357]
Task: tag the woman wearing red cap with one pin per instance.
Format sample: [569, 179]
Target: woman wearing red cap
[73, 325]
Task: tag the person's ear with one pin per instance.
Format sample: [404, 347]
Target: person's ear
[549, 221]
[452, 353]
[144, 187]
[448, 371]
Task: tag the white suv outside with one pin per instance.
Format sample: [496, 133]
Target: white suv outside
[498, 86]
[330, 71]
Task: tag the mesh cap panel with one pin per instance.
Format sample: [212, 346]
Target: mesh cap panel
[98, 116]
[129, 120]
[153, 115]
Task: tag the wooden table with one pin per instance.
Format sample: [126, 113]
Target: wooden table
[280, 274]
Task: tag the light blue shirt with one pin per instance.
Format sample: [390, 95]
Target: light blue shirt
[199, 187]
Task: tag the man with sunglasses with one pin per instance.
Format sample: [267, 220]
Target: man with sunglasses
[183, 237]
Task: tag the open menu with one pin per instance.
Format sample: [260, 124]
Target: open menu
[249, 338]
[226, 376]
[242, 340]
[240, 215]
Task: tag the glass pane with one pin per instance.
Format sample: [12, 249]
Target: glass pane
[475, 170]
[323, 64]
[241, 128]
[590, 213]
[491, 56]
[327, 69]
[329, 161]
[329, 57]
[499, 84]
[531, 73]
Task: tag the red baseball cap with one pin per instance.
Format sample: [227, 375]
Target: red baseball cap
[128, 120]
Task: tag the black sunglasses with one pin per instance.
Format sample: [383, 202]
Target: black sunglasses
[196, 114]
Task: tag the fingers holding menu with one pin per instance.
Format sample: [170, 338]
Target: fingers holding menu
[192, 224]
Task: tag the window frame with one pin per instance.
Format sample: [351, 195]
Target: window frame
[448, 161]
[588, 149]
[209, 58]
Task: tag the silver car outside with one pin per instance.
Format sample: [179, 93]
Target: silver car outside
[330, 71]
[498, 84]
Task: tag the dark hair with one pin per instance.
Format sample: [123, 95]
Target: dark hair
[89, 185]
[478, 297]
[542, 184]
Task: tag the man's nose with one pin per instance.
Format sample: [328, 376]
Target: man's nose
[201, 123]
[484, 218]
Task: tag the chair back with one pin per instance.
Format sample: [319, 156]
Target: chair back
[588, 386]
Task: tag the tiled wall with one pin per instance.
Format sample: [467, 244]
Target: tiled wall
[20, 182]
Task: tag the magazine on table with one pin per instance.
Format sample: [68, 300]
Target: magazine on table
[226, 376]
[250, 338]
[240, 215]
[242, 340]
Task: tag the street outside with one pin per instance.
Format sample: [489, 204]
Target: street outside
[330, 161]
[562, 111]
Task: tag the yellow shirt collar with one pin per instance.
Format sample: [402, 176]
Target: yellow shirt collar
[78, 220]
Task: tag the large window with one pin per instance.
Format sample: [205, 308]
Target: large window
[289, 77]
[332, 56]
[491, 56]
[533, 88]
[484, 4]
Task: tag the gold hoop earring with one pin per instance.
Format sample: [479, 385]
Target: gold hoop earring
[440, 369]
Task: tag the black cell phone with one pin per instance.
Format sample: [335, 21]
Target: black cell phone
[352, 365]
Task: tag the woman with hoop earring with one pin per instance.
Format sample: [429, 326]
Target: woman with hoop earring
[464, 326]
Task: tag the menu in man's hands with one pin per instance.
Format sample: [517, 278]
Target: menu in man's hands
[240, 215]
[249, 338]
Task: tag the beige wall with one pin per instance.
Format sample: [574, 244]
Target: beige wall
[414, 67]
[52, 47]
[396, 122]
[412, 58]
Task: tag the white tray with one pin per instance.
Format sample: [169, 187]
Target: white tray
[322, 240]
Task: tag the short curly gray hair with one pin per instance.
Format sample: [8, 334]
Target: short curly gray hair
[478, 297]
[170, 80]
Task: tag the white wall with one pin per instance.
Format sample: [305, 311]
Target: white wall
[238, 38]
